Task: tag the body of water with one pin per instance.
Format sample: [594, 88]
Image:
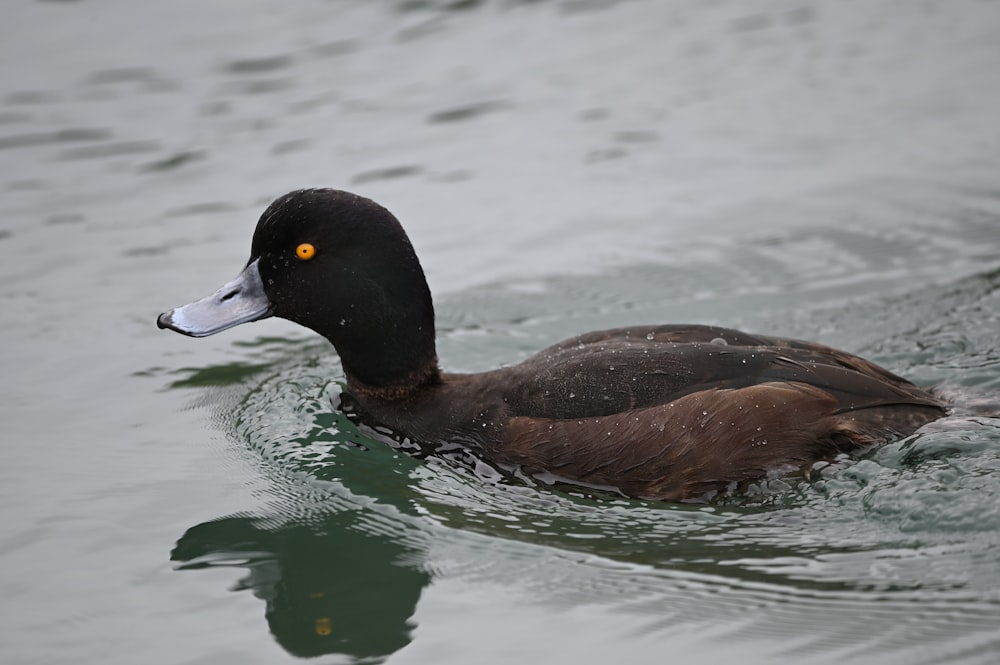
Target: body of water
[822, 170]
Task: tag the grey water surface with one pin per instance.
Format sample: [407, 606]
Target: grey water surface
[824, 170]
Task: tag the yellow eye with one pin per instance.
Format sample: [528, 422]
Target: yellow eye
[305, 251]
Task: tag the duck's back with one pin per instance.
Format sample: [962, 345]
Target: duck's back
[679, 411]
[614, 371]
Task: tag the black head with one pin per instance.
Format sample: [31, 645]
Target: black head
[341, 265]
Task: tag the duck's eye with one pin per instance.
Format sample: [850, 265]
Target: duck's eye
[305, 251]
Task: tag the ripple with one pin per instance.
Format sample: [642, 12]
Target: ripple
[109, 149]
[388, 173]
[174, 161]
[467, 112]
[260, 65]
[68, 135]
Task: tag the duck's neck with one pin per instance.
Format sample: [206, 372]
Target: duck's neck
[409, 386]
[388, 348]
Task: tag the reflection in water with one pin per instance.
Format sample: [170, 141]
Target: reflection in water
[328, 587]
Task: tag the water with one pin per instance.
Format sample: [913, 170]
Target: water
[820, 170]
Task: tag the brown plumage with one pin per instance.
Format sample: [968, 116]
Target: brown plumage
[667, 412]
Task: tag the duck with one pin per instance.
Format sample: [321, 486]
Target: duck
[675, 413]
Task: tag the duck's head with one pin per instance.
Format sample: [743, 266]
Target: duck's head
[341, 265]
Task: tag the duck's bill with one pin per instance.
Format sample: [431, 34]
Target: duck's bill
[240, 301]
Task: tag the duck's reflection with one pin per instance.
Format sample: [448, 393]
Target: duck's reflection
[328, 586]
